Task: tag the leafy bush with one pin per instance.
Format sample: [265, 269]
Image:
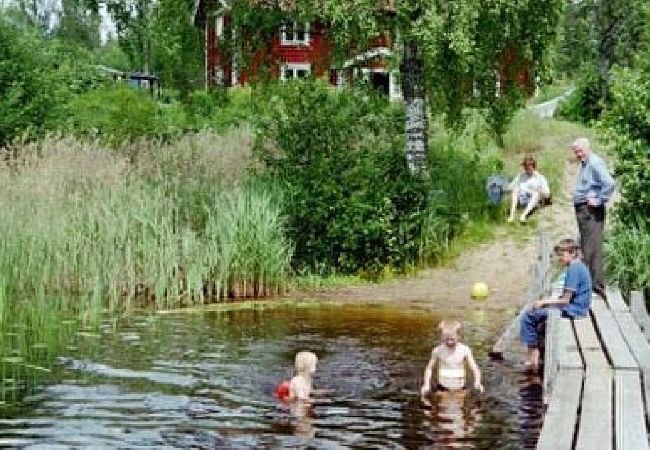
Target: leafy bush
[626, 124]
[585, 104]
[117, 113]
[219, 109]
[203, 103]
[627, 260]
[37, 75]
[350, 201]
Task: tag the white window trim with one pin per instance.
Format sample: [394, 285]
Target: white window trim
[219, 27]
[377, 52]
[294, 42]
[294, 67]
[394, 89]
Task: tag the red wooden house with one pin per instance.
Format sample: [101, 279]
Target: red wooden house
[297, 50]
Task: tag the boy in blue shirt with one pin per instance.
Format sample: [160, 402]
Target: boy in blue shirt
[573, 303]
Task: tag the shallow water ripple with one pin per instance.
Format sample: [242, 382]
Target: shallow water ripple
[206, 381]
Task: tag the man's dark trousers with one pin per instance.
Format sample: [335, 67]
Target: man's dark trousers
[591, 224]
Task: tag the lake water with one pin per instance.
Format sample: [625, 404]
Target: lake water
[206, 379]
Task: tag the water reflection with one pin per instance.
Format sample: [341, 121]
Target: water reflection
[206, 380]
[452, 416]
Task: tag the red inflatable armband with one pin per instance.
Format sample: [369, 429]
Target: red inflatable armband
[282, 390]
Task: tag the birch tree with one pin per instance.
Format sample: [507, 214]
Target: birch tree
[451, 54]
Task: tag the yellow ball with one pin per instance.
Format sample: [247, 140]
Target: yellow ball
[480, 291]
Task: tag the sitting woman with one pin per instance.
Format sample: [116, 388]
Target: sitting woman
[529, 189]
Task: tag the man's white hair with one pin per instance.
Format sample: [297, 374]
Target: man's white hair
[582, 143]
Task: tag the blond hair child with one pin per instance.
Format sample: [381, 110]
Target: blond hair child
[451, 356]
[300, 386]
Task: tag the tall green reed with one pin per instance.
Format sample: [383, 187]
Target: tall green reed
[627, 257]
[158, 224]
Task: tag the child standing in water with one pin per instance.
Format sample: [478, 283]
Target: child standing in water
[299, 388]
[450, 357]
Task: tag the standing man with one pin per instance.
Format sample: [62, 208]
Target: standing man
[594, 187]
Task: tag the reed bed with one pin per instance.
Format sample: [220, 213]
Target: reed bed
[627, 257]
[162, 225]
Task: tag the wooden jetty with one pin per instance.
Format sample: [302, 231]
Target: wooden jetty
[597, 377]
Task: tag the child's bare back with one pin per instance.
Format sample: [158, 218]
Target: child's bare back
[300, 386]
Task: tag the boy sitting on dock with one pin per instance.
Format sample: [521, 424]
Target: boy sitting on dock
[573, 303]
[450, 357]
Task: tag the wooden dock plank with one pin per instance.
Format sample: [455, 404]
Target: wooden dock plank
[646, 389]
[615, 300]
[630, 430]
[550, 353]
[595, 431]
[592, 352]
[617, 351]
[561, 417]
[635, 340]
[568, 351]
[640, 313]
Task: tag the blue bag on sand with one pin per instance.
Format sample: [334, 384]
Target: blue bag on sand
[496, 186]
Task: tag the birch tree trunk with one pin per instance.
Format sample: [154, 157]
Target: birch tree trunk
[415, 124]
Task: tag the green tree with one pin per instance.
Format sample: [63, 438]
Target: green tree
[452, 52]
[79, 22]
[159, 37]
[133, 24]
[576, 47]
[37, 75]
[617, 28]
[26, 90]
[36, 13]
[177, 51]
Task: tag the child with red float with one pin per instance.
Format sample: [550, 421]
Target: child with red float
[300, 386]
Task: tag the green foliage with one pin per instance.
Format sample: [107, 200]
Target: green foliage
[350, 201]
[79, 23]
[556, 88]
[627, 259]
[462, 44]
[176, 46]
[585, 103]
[118, 112]
[111, 55]
[576, 47]
[23, 102]
[219, 109]
[160, 37]
[626, 123]
[114, 113]
[36, 76]
[133, 25]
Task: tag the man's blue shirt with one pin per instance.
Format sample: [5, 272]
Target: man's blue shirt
[578, 281]
[593, 181]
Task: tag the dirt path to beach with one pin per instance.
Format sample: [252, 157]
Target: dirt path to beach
[504, 264]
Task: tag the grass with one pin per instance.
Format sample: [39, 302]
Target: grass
[548, 140]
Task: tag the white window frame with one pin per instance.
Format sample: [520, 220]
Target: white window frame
[219, 27]
[287, 41]
[294, 67]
